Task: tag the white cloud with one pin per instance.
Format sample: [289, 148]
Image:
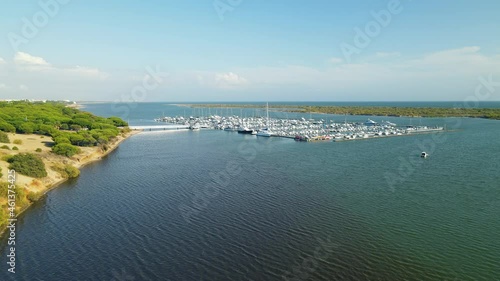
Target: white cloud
[29, 72]
[335, 60]
[3, 86]
[2, 61]
[228, 80]
[27, 59]
[87, 71]
[27, 62]
[387, 54]
[466, 55]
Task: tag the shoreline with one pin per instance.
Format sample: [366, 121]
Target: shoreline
[94, 154]
[96, 158]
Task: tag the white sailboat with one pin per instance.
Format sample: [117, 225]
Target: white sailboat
[265, 132]
[194, 126]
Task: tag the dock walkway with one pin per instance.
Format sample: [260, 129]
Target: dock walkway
[160, 127]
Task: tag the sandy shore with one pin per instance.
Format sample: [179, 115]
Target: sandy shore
[29, 145]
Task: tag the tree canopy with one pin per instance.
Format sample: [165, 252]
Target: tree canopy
[4, 137]
[28, 164]
[65, 125]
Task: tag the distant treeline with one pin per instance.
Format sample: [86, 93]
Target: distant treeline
[488, 113]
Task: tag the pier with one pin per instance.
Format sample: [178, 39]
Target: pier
[169, 127]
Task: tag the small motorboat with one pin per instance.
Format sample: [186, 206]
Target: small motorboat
[424, 154]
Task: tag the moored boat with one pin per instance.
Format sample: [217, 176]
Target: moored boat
[245, 130]
[195, 127]
[264, 133]
[370, 122]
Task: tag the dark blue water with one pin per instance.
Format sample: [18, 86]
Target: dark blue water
[214, 205]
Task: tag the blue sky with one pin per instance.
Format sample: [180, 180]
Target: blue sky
[255, 50]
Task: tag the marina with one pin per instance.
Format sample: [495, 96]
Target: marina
[286, 198]
[299, 129]
[232, 140]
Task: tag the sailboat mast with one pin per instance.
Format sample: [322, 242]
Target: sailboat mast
[267, 114]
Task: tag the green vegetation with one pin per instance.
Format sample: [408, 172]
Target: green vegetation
[38, 150]
[72, 171]
[34, 196]
[488, 113]
[17, 141]
[66, 171]
[15, 148]
[23, 199]
[65, 125]
[5, 147]
[6, 127]
[4, 138]
[20, 193]
[28, 164]
[1, 172]
[62, 139]
[65, 149]
[6, 158]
